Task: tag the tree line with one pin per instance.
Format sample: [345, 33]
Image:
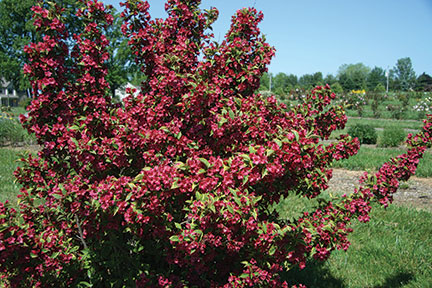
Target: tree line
[401, 77]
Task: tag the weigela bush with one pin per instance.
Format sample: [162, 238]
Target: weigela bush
[175, 188]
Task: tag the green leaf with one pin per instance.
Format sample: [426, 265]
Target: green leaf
[175, 185]
[272, 250]
[222, 121]
[231, 114]
[296, 134]
[245, 179]
[205, 162]
[230, 209]
[178, 135]
[174, 238]
[128, 196]
[212, 208]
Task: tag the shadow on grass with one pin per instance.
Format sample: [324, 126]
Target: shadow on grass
[398, 280]
[318, 275]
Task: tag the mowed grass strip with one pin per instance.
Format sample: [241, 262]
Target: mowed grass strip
[8, 163]
[371, 158]
[383, 123]
[392, 250]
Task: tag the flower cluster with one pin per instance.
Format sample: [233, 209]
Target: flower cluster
[175, 188]
[424, 105]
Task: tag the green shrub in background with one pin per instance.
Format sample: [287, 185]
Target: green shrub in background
[12, 133]
[364, 132]
[392, 136]
[24, 102]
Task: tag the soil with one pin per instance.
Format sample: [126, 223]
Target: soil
[416, 192]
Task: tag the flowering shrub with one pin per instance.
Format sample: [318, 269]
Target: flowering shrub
[356, 99]
[177, 187]
[423, 106]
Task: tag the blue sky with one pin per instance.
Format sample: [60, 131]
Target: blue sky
[316, 35]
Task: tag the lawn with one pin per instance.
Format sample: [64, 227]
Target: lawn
[8, 163]
[392, 250]
[383, 123]
[371, 158]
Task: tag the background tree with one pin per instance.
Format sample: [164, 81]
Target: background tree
[375, 77]
[16, 30]
[265, 81]
[280, 82]
[337, 88]
[424, 82]
[121, 65]
[404, 75]
[353, 76]
[330, 79]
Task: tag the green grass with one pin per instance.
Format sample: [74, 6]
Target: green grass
[8, 163]
[369, 158]
[393, 250]
[383, 123]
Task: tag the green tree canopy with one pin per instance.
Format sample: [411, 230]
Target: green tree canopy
[330, 79]
[121, 65]
[404, 75]
[376, 76]
[17, 31]
[424, 82]
[265, 81]
[353, 76]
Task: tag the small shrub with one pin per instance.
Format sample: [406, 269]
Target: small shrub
[24, 102]
[12, 133]
[376, 99]
[392, 136]
[365, 133]
[396, 111]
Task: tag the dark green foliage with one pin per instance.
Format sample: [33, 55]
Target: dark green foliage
[376, 77]
[404, 75]
[424, 82]
[392, 136]
[365, 133]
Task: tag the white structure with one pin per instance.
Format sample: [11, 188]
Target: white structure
[121, 92]
[8, 95]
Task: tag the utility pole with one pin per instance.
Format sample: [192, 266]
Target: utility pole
[270, 76]
[387, 75]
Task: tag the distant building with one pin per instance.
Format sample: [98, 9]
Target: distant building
[9, 96]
